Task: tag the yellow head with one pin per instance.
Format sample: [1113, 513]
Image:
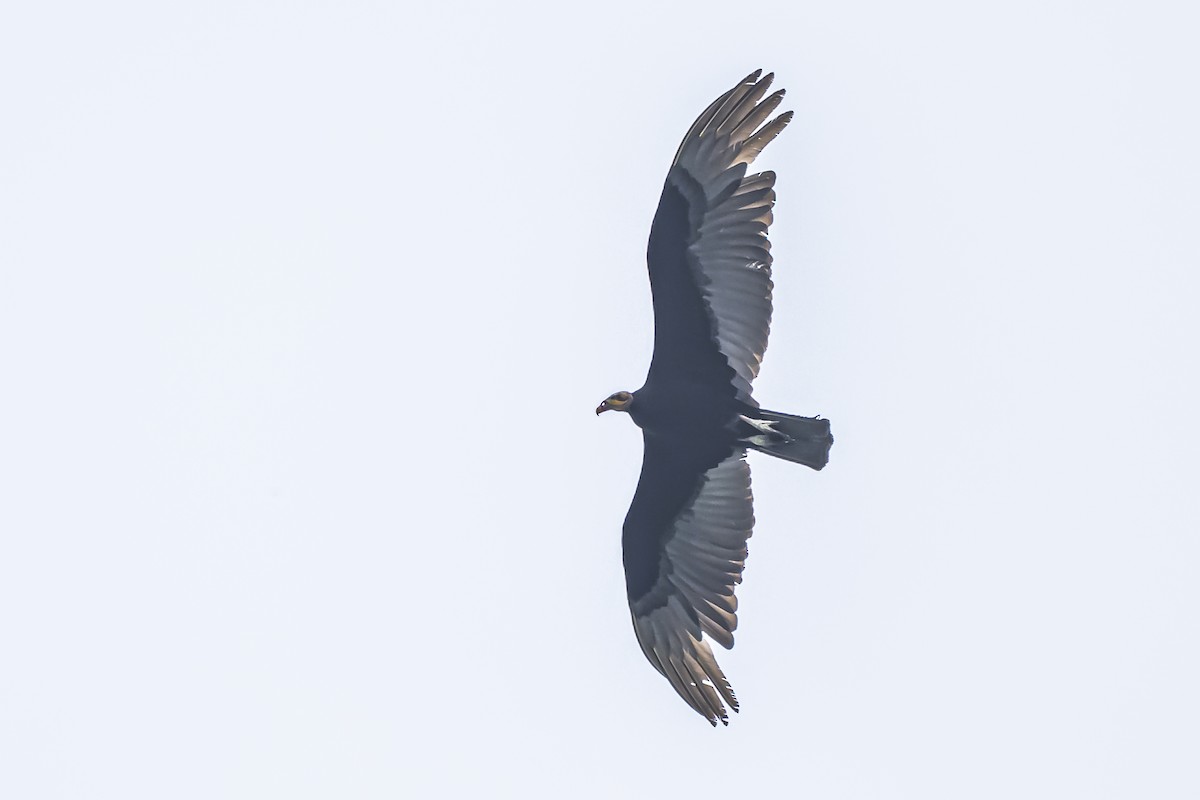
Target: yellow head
[618, 401]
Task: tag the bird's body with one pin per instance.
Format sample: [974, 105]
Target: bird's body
[683, 409]
[684, 538]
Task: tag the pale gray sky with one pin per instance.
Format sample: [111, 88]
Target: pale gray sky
[304, 311]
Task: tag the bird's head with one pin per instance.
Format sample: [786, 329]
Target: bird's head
[619, 401]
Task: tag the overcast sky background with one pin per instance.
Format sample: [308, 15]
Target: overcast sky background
[305, 309]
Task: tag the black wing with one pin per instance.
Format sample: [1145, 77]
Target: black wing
[709, 258]
[684, 546]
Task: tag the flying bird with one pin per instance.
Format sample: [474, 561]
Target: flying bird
[684, 539]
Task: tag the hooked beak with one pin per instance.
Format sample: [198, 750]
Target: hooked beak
[600, 409]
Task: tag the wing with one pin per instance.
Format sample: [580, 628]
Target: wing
[709, 258]
[684, 547]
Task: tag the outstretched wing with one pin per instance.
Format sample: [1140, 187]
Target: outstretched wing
[684, 547]
[709, 258]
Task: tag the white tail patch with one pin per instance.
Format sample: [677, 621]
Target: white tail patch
[761, 425]
[767, 435]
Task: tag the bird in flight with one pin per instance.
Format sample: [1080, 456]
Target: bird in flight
[684, 539]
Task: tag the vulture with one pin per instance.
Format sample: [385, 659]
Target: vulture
[684, 538]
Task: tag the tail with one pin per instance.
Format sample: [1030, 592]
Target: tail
[803, 440]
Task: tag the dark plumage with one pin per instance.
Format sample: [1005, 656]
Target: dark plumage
[684, 541]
